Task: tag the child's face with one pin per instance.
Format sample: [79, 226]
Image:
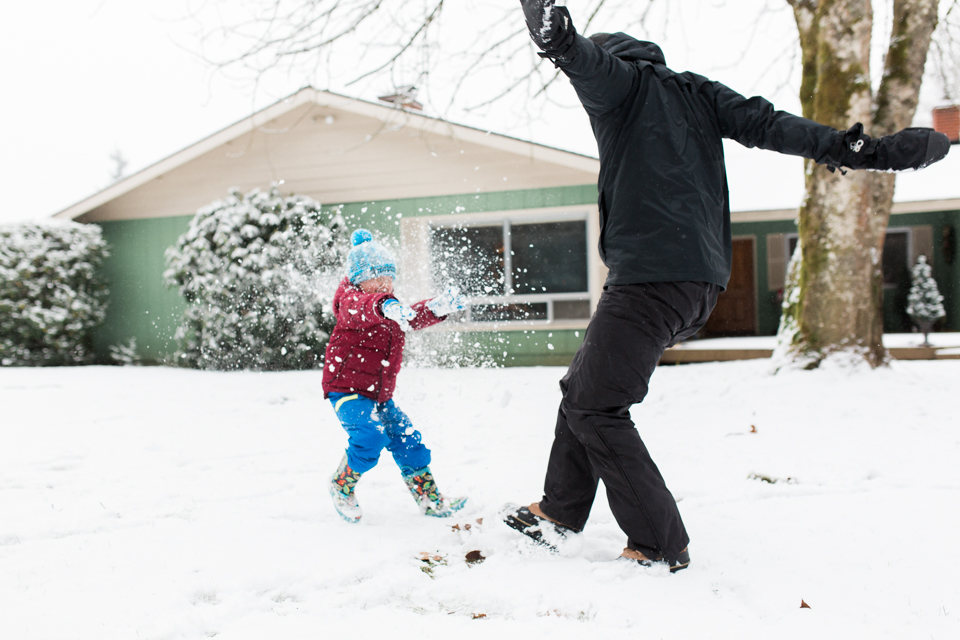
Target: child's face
[383, 284]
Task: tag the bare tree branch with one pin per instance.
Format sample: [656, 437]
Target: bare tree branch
[946, 51]
[896, 101]
[410, 41]
[398, 39]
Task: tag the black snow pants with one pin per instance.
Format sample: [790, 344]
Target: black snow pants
[595, 438]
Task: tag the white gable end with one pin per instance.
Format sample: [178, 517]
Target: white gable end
[337, 150]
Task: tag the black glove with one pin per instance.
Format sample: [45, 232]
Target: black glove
[550, 27]
[913, 148]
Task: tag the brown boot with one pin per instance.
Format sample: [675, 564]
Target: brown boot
[535, 524]
[682, 562]
[537, 511]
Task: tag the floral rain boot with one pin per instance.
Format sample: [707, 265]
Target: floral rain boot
[431, 502]
[342, 485]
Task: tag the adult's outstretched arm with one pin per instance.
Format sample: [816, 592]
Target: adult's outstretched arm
[601, 80]
[753, 122]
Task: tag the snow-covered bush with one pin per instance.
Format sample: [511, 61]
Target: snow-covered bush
[258, 271]
[124, 354]
[924, 302]
[51, 296]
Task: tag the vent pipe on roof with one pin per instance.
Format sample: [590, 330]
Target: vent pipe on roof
[404, 98]
[946, 119]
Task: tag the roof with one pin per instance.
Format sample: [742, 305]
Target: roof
[383, 152]
[341, 149]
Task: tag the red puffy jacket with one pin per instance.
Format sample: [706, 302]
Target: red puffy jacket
[366, 349]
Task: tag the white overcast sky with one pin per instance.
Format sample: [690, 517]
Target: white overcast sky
[84, 78]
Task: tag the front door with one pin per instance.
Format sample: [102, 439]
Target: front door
[736, 310]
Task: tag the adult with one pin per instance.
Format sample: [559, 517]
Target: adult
[665, 237]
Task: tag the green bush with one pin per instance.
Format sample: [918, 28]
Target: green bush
[258, 271]
[51, 296]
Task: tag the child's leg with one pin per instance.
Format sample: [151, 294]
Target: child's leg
[365, 430]
[413, 458]
[404, 441]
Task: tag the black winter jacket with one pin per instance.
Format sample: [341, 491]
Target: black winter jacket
[664, 207]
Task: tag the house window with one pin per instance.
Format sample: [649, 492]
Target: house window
[515, 271]
[470, 257]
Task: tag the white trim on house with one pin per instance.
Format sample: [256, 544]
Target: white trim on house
[917, 206]
[415, 257]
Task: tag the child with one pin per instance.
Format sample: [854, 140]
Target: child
[360, 371]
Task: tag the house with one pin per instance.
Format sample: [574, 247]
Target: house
[925, 220]
[513, 222]
[516, 220]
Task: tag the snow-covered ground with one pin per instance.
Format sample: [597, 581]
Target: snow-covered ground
[161, 503]
[946, 340]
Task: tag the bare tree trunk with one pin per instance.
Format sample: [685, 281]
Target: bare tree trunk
[838, 304]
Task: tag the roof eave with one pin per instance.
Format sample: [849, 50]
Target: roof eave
[324, 98]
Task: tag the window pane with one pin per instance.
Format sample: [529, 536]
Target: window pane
[571, 309]
[549, 257]
[504, 312]
[895, 268]
[470, 258]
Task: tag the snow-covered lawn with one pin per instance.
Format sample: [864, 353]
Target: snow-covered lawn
[940, 341]
[161, 503]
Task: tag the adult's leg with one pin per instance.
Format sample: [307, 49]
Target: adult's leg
[404, 443]
[632, 327]
[571, 482]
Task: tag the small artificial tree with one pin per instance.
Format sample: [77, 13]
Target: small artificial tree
[924, 303]
[256, 270]
[51, 293]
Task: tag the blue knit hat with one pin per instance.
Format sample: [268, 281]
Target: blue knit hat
[368, 259]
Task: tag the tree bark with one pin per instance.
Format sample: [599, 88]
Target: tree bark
[837, 305]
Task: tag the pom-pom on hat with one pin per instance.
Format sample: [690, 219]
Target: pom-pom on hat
[368, 259]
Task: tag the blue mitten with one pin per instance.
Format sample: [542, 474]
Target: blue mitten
[399, 313]
[447, 302]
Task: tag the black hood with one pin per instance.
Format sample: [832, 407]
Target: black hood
[630, 49]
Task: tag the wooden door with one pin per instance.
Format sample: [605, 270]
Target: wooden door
[736, 310]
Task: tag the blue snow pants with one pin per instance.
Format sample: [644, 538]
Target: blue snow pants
[372, 426]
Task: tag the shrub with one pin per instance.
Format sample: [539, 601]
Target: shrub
[924, 302]
[51, 297]
[256, 270]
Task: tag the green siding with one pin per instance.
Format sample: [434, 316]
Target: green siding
[894, 304]
[143, 308]
[381, 216]
[768, 308]
[946, 275]
[522, 348]
[140, 305]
